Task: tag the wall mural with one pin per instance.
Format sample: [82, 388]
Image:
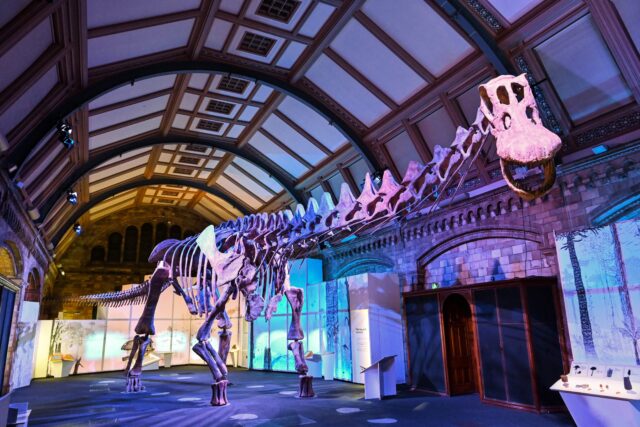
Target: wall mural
[104, 344]
[324, 320]
[22, 367]
[600, 273]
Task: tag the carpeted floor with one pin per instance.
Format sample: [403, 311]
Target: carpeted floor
[179, 396]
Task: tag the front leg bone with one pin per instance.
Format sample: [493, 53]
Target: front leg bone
[204, 349]
[133, 376]
[295, 296]
[145, 323]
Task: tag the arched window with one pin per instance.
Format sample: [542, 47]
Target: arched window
[97, 254]
[114, 250]
[7, 264]
[32, 292]
[161, 232]
[175, 232]
[130, 244]
[146, 241]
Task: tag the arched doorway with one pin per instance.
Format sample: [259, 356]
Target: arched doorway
[459, 342]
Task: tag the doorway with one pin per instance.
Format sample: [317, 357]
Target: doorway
[459, 342]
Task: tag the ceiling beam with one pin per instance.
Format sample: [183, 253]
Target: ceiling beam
[130, 101]
[27, 20]
[320, 146]
[22, 149]
[395, 47]
[99, 198]
[329, 31]
[250, 23]
[361, 78]
[284, 147]
[50, 58]
[286, 181]
[476, 32]
[142, 23]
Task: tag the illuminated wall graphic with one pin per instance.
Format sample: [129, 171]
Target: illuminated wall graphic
[338, 326]
[96, 345]
[600, 274]
[22, 367]
[269, 349]
[357, 318]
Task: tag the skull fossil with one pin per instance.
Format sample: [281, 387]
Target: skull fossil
[521, 138]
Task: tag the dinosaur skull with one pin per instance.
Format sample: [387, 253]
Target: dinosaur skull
[521, 139]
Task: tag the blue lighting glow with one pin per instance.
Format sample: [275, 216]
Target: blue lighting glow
[599, 149]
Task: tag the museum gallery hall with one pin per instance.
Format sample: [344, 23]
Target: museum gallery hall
[320, 212]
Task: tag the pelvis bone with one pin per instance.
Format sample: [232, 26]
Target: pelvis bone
[521, 139]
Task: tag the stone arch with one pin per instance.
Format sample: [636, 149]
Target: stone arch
[365, 265]
[11, 265]
[462, 259]
[34, 286]
[7, 264]
[619, 208]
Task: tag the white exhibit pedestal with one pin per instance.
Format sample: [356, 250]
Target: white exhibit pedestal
[380, 379]
[314, 363]
[60, 368]
[166, 357]
[328, 364]
[151, 362]
[233, 352]
[596, 397]
[600, 408]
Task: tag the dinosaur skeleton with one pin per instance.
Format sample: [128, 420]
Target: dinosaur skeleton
[250, 255]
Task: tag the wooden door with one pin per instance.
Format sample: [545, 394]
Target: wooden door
[461, 367]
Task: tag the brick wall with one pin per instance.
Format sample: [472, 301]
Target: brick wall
[83, 277]
[495, 236]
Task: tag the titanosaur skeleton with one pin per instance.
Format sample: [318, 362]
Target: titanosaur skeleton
[250, 255]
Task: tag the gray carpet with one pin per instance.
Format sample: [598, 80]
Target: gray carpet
[180, 396]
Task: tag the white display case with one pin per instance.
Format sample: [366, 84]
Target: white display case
[595, 394]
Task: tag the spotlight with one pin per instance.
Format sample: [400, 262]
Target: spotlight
[62, 272]
[377, 178]
[72, 197]
[34, 214]
[77, 228]
[64, 134]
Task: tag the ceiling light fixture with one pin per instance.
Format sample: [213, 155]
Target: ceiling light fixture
[72, 197]
[64, 134]
[77, 228]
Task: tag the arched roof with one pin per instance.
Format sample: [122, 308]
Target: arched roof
[269, 101]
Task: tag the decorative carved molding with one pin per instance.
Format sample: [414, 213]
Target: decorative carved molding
[335, 107]
[608, 130]
[625, 152]
[485, 15]
[9, 211]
